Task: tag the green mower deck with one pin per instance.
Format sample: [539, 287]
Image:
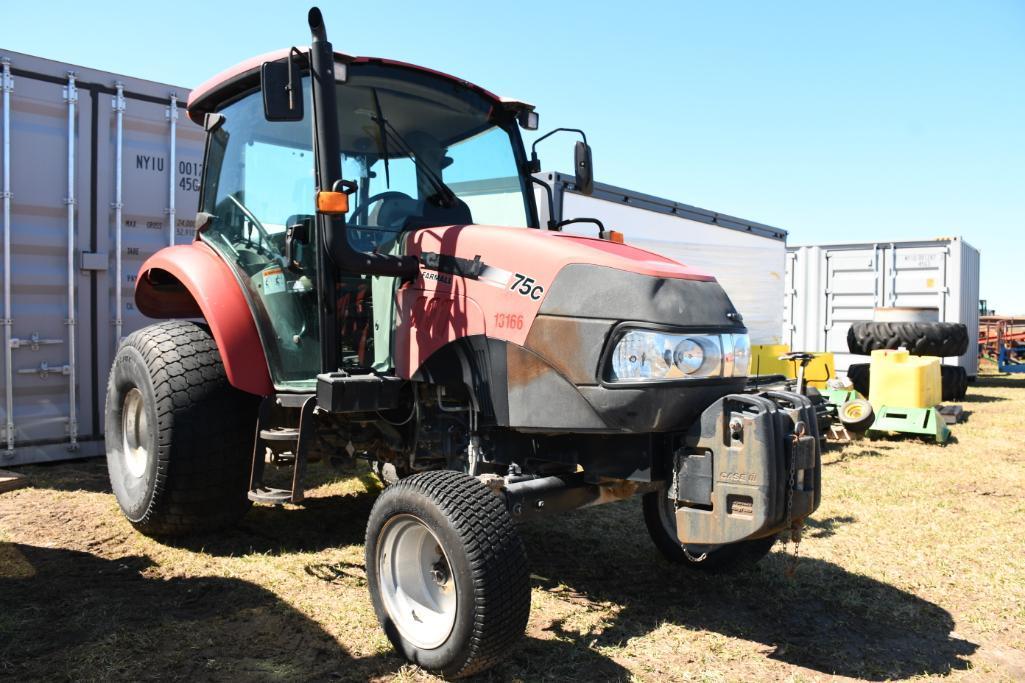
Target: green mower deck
[921, 421]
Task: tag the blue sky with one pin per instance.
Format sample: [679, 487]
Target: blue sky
[835, 121]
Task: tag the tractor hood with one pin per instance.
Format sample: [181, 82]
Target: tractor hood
[525, 272]
[540, 254]
[547, 306]
[502, 280]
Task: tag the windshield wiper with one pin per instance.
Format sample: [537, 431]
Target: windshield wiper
[448, 196]
[384, 138]
[446, 193]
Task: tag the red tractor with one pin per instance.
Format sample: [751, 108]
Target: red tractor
[371, 280]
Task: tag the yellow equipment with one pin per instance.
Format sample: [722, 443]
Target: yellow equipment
[765, 361]
[899, 379]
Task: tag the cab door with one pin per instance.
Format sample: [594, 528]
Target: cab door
[258, 187]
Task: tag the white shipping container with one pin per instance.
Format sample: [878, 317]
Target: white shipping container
[830, 286]
[99, 171]
[747, 258]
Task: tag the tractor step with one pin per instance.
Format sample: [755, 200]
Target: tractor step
[280, 434]
[355, 392]
[270, 496]
[302, 436]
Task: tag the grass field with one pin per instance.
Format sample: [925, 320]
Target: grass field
[914, 567]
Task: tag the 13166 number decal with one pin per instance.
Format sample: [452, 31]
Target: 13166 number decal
[512, 321]
[526, 286]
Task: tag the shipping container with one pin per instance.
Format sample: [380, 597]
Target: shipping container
[99, 171]
[830, 286]
[747, 258]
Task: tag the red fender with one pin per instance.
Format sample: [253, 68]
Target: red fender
[192, 281]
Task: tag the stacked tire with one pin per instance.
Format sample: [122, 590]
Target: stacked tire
[920, 339]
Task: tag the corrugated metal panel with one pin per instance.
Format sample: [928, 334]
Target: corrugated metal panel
[747, 258]
[833, 285]
[62, 136]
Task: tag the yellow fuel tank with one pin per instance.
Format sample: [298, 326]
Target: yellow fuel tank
[898, 379]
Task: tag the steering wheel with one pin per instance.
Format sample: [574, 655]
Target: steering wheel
[264, 235]
[364, 209]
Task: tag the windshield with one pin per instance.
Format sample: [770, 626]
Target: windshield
[425, 152]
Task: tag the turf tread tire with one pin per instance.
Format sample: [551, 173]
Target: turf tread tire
[496, 558]
[204, 430]
[920, 339]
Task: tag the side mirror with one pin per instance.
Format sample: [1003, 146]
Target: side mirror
[583, 168]
[295, 235]
[281, 82]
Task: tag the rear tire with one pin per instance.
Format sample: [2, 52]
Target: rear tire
[920, 339]
[179, 436]
[447, 572]
[735, 557]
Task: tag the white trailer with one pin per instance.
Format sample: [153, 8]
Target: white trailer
[747, 258]
[830, 286]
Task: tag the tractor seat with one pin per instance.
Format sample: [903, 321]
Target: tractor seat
[800, 356]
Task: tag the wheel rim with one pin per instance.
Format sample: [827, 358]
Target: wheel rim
[134, 433]
[416, 582]
[854, 412]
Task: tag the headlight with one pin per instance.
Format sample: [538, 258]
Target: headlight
[642, 355]
[647, 355]
[736, 358]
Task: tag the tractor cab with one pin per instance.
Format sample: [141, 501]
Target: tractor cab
[416, 149]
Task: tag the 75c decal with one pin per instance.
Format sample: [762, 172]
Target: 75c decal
[526, 286]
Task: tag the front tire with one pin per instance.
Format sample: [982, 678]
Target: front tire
[660, 518]
[447, 572]
[179, 436]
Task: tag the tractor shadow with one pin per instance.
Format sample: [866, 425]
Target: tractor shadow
[70, 615]
[824, 528]
[971, 397]
[1004, 381]
[825, 618]
[85, 474]
[323, 520]
[849, 453]
[73, 615]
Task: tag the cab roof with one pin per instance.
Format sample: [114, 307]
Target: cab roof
[244, 76]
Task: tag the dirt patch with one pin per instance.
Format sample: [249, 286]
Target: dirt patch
[911, 568]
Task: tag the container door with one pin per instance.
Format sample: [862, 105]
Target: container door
[916, 276]
[931, 275]
[852, 290]
[51, 392]
[151, 215]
